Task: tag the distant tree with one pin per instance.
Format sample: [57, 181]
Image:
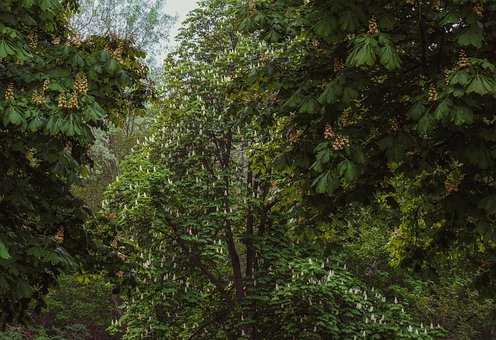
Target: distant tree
[145, 22]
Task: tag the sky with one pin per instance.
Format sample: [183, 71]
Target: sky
[179, 8]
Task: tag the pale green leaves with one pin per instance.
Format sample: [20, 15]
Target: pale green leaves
[368, 50]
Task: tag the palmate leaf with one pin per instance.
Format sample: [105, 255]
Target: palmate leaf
[332, 92]
[348, 171]
[389, 58]
[4, 252]
[462, 115]
[443, 109]
[325, 27]
[325, 183]
[482, 85]
[12, 116]
[460, 77]
[36, 123]
[472, 36]
[363, 53]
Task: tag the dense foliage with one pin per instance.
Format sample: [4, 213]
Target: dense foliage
[56, 90]
[206, 225]
[312, 169]
[390, 103]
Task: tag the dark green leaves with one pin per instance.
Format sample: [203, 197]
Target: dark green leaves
[363, 53]
[348, 171]
[472, 36]
[389, 58]
[482, 85]
[367, 49]
[4, 252]
[12, 116]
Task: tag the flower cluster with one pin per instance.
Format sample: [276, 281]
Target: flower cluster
[66, 101]
[454, 179]
[294, 136]
[395, 125]
[142, 70]
[116, 54]
[59, 236]
[75, 40]
[81, 84]
[38, 98]
[447, 75]
[32, 40]
[463, 60]
[9, 92]
[479, 9]
[373, 26]
[338, 65]
[432, 94]
[339, 142]
[451, 184]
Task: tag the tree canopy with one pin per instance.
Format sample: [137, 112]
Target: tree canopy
[312, 169]
[56, 88]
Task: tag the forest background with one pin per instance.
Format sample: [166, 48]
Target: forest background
[288, 169]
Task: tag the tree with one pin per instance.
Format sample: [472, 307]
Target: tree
[197, 218]
[56, 89]
[146, 23]
[390, 100]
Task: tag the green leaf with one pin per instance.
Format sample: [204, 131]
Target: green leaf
[363, 54]
[389, 58]
[348, 170]
[460, 77]
[55, 86]
[482, 85]
[349, 94]
[325, 183]
[4, 252]
[449, 18]
[417, 111]
[325, 27]
[462, 115]
[472, 36]
[3, 50]
[331, 93]
[13, 117]
[443, 109]
[23, 289]
[488, 204]
[310, 106]
[45, 4]
[112, 66]
[35, 124]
